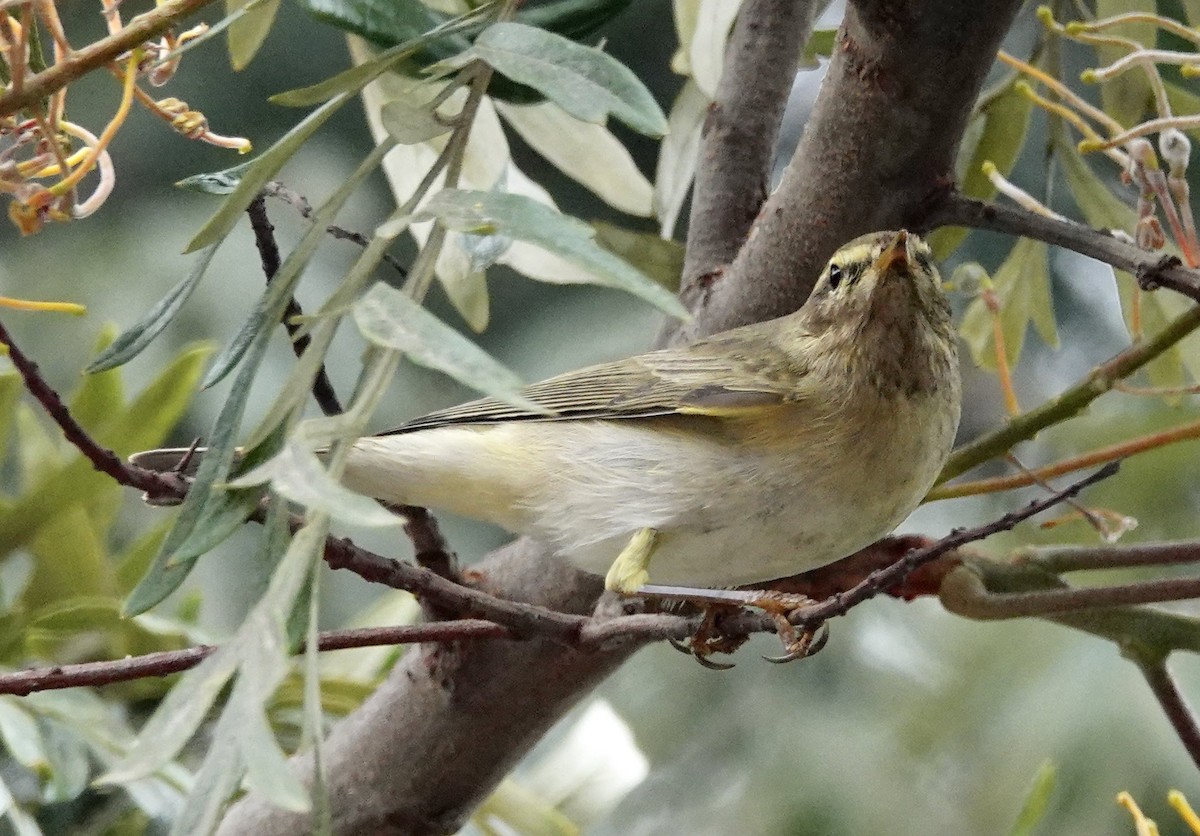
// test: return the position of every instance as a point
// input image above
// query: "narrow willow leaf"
(1033, 810)
(409, 122)
(296, 474)
(216, 182)
(22, 739)
(525, 219)
(131, 342)
(353, 80)
(461, 267)
(273, 303)
(298, 386)
(587, 153)
(382, 22)
(1021, 279)
(249, 31)
(167, 572)
(659, 258)
(175, 719)
(267, 770)
(705, 45)
(1005, 116)
(228, 508)
(677, 156)
(264, 168)
(390, 319)
(585, 82)
(216, 782)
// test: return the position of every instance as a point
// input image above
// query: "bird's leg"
(629, 571)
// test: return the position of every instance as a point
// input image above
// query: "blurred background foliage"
(912, 721)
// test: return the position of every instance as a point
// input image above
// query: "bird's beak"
(894, 255)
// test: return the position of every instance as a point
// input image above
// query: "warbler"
(750, 455)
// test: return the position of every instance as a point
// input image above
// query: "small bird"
(754, 454)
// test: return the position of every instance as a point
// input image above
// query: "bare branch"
(1151, 269)
(1174, 705)
(91, 674)
(103, 459)
(740, 132)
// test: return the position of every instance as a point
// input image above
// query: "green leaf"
(353, 80)
(1127, 96)
(389, 318)
(175, 719)
(1020, 283)
(131, 342)
(410, 122)
(267, 770)
(274, 300)
(249, 31)
(383, 22)
(22, 738)
(1005, 116)
(100, 396)
(166, 572)
(11, 388)
(216, 182)
(296, 474)
(1036, 801)
(584, 81)
(69, 561)
(659, 258)
(142, 424)
(264, 168)
(525, 219)
(820, 43)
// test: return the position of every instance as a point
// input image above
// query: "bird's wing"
(723, 376)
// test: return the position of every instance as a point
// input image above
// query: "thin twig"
(1059, 559)
(884, 579)
(1122, 450)
(103, 459)
(1071, 402)
(1173, 703)
(167, 662)
(300, 203)
(953, 209)
(268, 251)
(965, 593)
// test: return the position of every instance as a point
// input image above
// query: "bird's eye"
(835, 276)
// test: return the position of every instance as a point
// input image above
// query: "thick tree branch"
(739, 134)
(882, 138)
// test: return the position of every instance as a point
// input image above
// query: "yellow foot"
(628, 573)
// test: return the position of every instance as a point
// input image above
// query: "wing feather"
(726, 375)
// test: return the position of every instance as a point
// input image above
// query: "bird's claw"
(808, 643)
